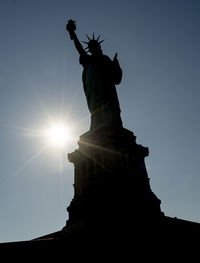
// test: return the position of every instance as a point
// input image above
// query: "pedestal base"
(111, 185)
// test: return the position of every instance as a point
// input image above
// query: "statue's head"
(94, 45)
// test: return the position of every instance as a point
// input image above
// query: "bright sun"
(58, 134)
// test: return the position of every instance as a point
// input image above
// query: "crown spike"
(93, 38)
(85, 42)
(88, 37)
(98, 37)
(101, 41)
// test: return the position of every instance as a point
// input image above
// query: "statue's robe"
(100, 75)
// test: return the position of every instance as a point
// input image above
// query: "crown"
(92, 41)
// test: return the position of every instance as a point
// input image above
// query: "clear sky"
(158, 44)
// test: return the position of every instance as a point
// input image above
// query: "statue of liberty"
(100, 75)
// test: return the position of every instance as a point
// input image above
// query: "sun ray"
(38, 132)
(105, 149)
(24, 130)
(43, 105)
(33, 157)
(81, 119)
(100, 147)
(94, 160)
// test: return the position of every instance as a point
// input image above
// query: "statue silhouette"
(100, 75)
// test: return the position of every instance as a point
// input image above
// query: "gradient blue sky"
(158, 44)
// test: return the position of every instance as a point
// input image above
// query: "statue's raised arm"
(71, 27)
(100, 75)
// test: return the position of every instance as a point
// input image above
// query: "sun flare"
(58, 134)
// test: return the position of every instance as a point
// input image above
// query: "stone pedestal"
(111, 185)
